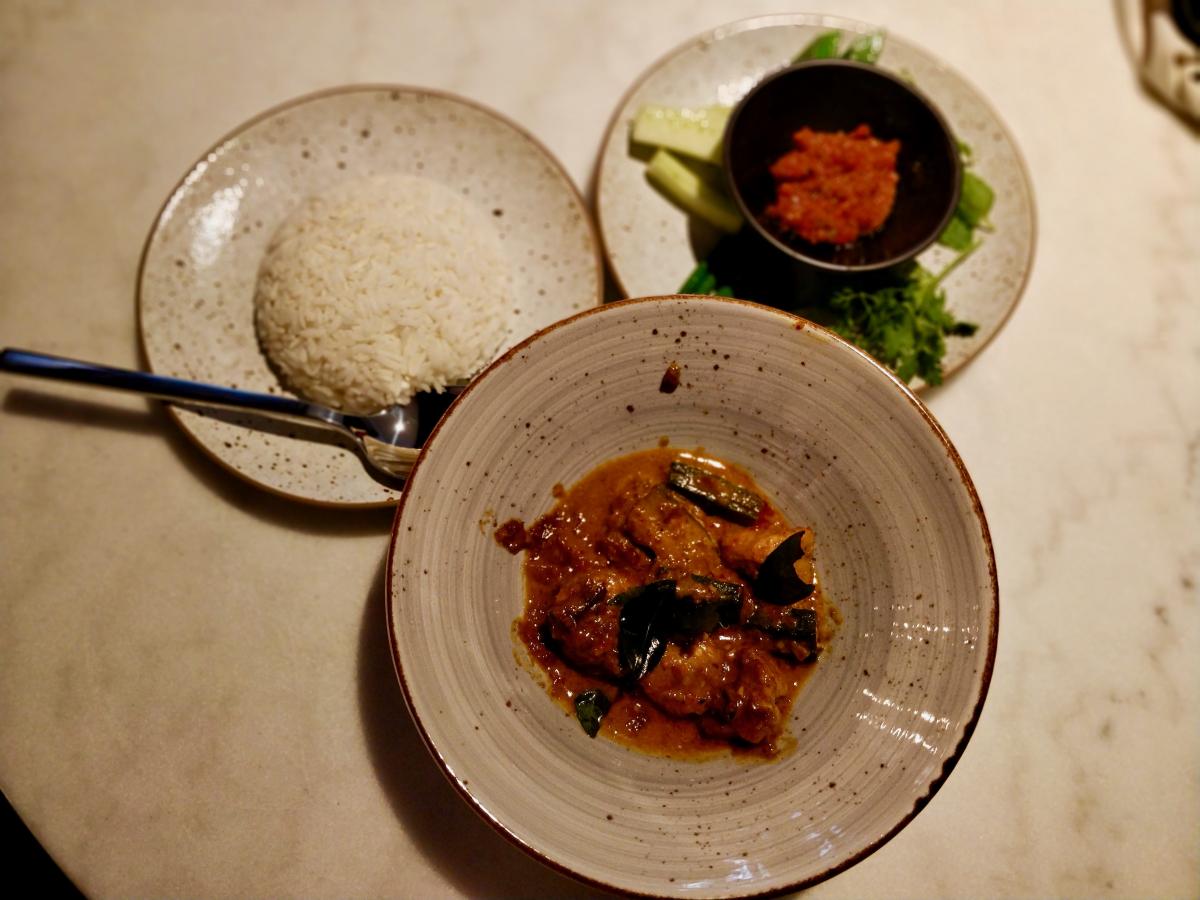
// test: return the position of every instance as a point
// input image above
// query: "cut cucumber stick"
(698, 133)
(687, 189)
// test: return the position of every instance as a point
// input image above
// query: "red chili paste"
(834, 187)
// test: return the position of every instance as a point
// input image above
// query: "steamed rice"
(379, 288)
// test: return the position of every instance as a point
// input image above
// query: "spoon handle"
(43, 365)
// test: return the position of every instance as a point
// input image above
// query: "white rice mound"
(379, 288)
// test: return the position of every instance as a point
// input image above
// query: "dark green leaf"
(644, 626)
(823, 46)
(653, 614)
(590, 708)
(777, 581)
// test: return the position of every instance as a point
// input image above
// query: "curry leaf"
(641, 637)
(778, 582)
(590, 708)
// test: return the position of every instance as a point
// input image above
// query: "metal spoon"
(381, 436)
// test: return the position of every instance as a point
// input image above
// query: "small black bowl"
(838, 95)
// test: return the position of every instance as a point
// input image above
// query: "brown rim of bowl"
(366, 87)
(985, 675)
(797, 254)
(818, 20)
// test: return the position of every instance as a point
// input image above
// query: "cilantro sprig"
(904, 325)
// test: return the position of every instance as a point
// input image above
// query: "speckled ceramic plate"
(196, 287)
(652, 246)
(902, 549)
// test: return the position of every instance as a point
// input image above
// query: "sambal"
(834, 187)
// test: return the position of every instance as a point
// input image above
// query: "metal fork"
(382, 437)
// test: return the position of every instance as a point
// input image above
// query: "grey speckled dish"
(196, 288)
(652, 246)
(902, 548)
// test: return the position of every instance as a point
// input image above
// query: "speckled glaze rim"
(301, 100)
(820, 20)
(948, 448)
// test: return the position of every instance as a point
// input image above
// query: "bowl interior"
(839, 96)
(902, 548)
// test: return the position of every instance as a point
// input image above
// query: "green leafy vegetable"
(590, 709)
(905, 325)
(865, 48)
(975, 201)
(693, 282)
(958, 235)
(824, 46)
(703, 281)
(902, 322)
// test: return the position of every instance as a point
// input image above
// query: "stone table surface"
(196, 693)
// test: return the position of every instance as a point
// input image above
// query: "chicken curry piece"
(671, 605)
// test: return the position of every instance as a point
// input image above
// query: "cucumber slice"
(689, 191)
(693, 132)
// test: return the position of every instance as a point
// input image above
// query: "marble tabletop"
(196, 693)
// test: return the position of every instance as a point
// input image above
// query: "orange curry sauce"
(620, 527)
(834, 187)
